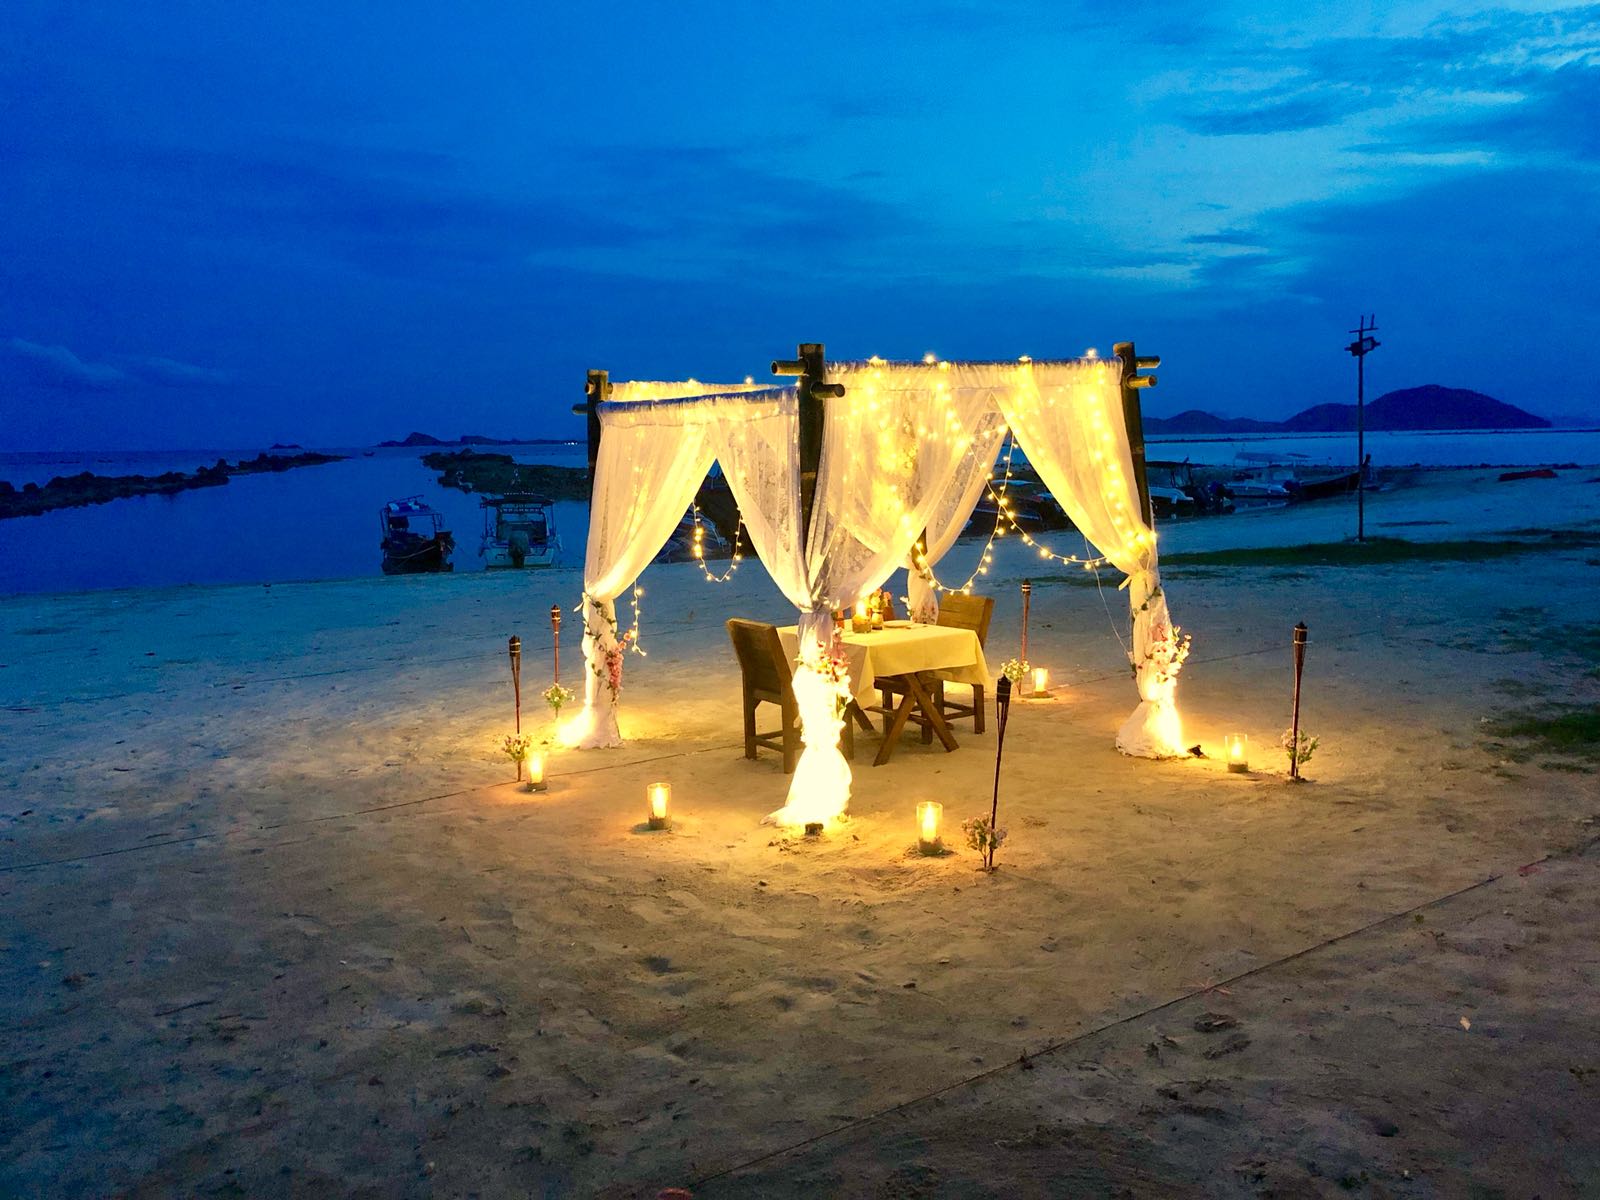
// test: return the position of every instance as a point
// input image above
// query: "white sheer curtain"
(954, 509)
(758, 445)
(652, 459)
(891, 451)
(1068, 420)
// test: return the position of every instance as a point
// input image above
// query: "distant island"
(1428, 407)
(84, 488)
(473, 439)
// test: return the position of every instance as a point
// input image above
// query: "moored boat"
(415, 540)
(519, 530)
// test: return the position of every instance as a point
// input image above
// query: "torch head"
(1002, 698)
(555, 616)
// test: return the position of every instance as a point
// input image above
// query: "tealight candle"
(1041, 681)
(930, 815)
(1238, 745)
(536, 767)
(660, 796)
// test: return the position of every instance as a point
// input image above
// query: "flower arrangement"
(608, 667)
(1164, 656)
(556, 697)
(833, 666)
(516, 746)
(1015, 669)
(984, 838)
(1299, 750)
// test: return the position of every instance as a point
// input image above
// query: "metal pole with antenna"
(1360, 348)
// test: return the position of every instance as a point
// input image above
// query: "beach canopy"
(907, 449)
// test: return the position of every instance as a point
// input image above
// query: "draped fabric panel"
(652, 459)
(891, 452)
(1068, 420)
(758, 446)
(953, 511)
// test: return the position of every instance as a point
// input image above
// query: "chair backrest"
(760, 654)
(957, 610)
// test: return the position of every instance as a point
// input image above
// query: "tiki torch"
(1002, 708)
(515, 649)
(555, 636)
(1294, 727)
(1027, 598)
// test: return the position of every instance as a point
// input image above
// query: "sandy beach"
(278, 922)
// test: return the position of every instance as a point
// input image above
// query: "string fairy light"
(632, 636)
(699, 548)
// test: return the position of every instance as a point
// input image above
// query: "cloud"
(704, 210)
(1245, 239)
(394, 213)
(58, 369)
(1555, 116)
(167, 372)
(1454, 65)
(1266, 114)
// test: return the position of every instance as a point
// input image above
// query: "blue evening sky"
(330, 223)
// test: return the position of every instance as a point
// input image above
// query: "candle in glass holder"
(1041, 681)
(1238, 745)
(536, 767)
(930, 815)
(862, 620)
(659, 796)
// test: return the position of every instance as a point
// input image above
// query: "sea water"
(317, 522)
(322, 522)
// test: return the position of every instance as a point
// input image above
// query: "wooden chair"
(957, 610)
(768, 676)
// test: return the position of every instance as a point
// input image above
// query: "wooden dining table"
(915, 657)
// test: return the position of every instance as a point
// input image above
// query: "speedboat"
(415, 540)
(519, 530)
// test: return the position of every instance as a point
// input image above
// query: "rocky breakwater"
(84, 488)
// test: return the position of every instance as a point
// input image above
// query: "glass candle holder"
(659, 796)
(930, 818)
(861, 619)
(1041, 681)
(1238, 747)
(535, 764)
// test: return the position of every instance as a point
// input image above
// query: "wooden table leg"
(860, 718)
(894, 726)
(936, 721)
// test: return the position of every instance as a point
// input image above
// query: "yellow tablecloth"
(900, 649)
